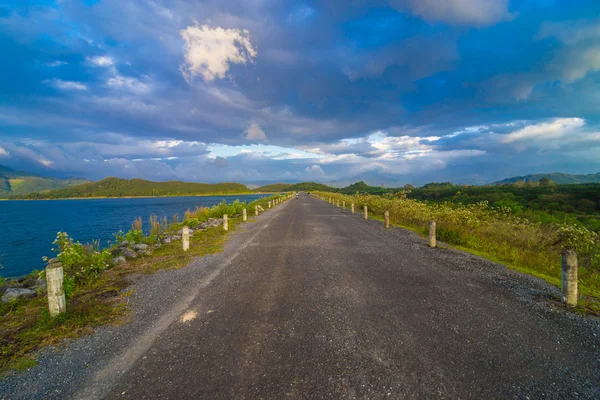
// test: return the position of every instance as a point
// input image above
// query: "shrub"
(80, 262)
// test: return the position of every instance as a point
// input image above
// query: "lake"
(28, 227)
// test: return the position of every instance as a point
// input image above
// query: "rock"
(157, 245)
(145, 252)
(53, 261)
(204, 225)
(119, 260)
(124, 243)
(116, 251)
(166, 240)
(41, 283)
(128, 253)
(175, 237)
(140, 247)
(29, 282)
(17, 293)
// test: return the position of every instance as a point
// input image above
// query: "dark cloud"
(384, 89)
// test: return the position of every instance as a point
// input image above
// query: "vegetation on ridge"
(14, 183)
(117, 187)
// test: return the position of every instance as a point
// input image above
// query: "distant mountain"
(296, 187)
(273, 188)
(14, 183)
(557, 177)
(117, 187)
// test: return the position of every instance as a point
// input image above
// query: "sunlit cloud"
(209, 52)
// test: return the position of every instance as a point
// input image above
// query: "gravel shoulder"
(310, 301)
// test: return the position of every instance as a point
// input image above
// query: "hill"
(15, 183)
(299, 187)
(116, 187)
(557, 177)
(273, 188)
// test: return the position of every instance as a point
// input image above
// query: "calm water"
(28, 228)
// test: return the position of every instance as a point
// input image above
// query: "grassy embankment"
(96, 290)
(496, 233)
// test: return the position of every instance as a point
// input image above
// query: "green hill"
(296, 187)
(116, 187)
(15, 183)
(557, 177)
(273, 188)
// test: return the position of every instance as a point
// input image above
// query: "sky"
(254, 91)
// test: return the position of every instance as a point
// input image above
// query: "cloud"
(545, 130)
(209, 52)
(254, 133)
(56, 63)
(3, 152)
(65, 85)
(314, 171)
(128, 83)
(101, 61)
(458, 12)
(220, 162)
(570, 32)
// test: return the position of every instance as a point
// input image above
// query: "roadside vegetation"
(533, 246)
(96, 279)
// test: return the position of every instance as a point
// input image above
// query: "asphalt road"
(311, 302)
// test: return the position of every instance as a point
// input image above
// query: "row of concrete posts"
(569, 257)
(57, 303)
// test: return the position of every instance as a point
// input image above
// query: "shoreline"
(145, 197)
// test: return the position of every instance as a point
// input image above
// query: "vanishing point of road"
(311, 302)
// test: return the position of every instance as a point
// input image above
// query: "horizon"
(394, 92)
(335, 184)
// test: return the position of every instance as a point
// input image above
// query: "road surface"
(311, 302)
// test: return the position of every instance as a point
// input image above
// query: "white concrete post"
(432, 239)
(256, 210)
(57, 303)
(269, 204)
(343, 204)
(352, 208)
(338, 204)
(569, 278)
(225, 222)
(244, 215)
(387, 218)
(366, 213)
(185, 238)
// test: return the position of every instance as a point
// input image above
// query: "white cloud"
(558, 128)
(101, 61)
(65, 85)
(570, 32)
(128, 83)
(254, 132)
(56, 63)
(578, 63)
(210, 51)
(3, 152)
(459, 12)
(314, 170)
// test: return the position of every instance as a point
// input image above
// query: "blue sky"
(392, 92)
